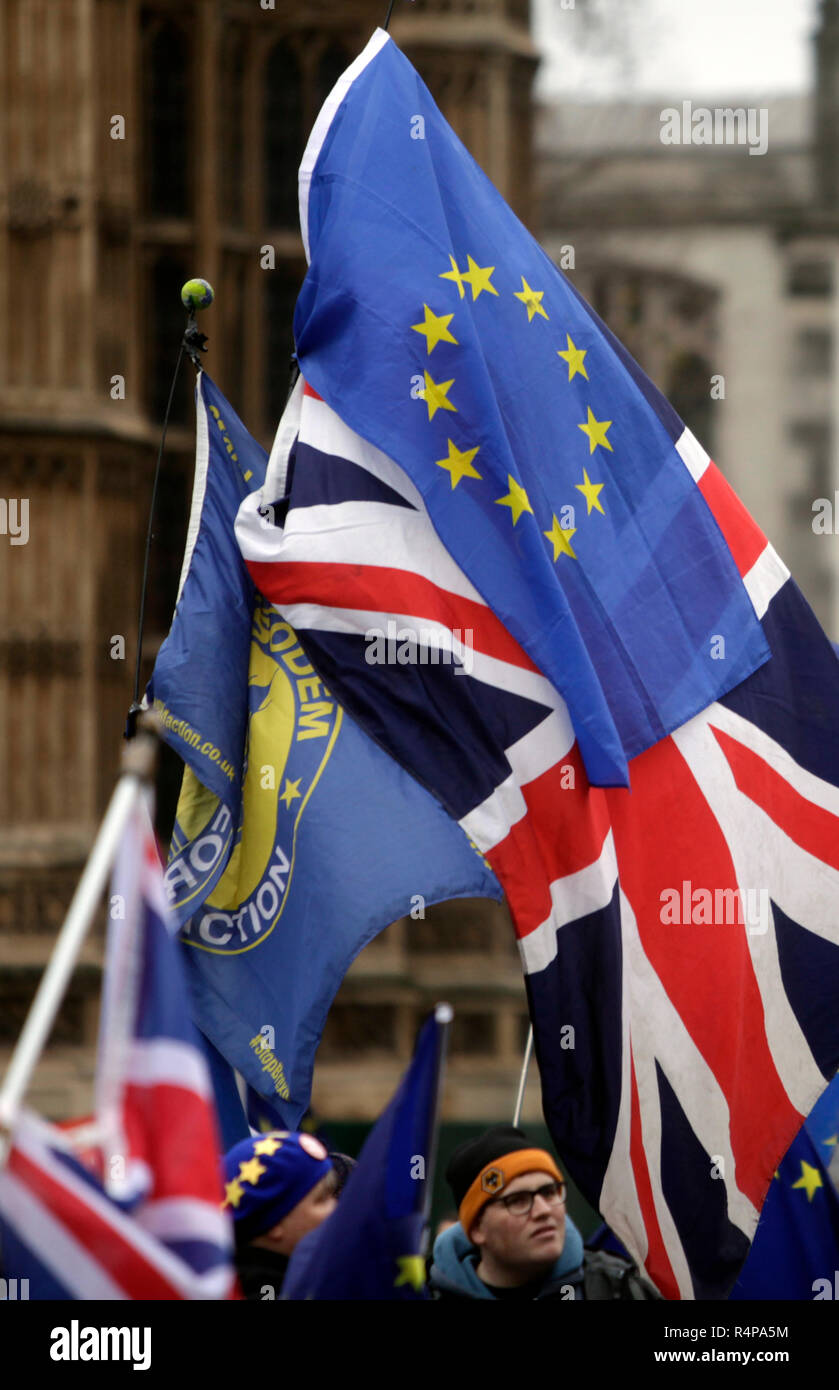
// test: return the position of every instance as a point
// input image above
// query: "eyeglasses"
(521, 1203)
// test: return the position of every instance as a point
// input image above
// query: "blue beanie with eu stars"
(267, 1175)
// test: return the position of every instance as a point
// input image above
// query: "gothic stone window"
(300, 72)
(166, 79)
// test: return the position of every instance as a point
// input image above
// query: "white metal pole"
(528, 1052)
(56, 977)
(444, 1014)
(138, 762)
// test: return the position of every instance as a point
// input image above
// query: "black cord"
(131, 722)
(389, 12)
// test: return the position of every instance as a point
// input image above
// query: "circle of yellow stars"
(459, 463)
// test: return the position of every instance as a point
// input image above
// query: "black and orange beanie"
(480, 1169)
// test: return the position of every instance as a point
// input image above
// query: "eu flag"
(557, 477)
(371, 1247)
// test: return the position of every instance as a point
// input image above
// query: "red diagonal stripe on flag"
(811, 827)
(743, 536)
(666, 836)
(563, 832)
(158, 1112)
(658, 1262)
(375, 588)
(125, 1264)
(517, 864)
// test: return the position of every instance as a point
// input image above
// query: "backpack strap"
(607, 1276)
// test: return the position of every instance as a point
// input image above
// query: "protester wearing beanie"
(278, 1187)
(500, 1250)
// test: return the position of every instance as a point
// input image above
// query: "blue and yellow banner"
(296, 839)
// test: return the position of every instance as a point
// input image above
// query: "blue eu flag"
(371, 1247)
(556, 475)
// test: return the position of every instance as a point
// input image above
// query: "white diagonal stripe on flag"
(746, 829)
(692, 454)
(185, 1218)
(165, 1061)
(767, 575)
(53, 1244)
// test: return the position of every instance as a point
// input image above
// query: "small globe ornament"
(197, 294)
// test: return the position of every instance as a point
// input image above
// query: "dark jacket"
(577, 1275)
(261, 1272)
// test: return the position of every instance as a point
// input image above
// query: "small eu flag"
(371, 1247)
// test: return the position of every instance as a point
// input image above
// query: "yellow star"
(834, 1139)
(459, 464)
(268, 1146)
(434, 395)
(810, 1179)
(435, 329)
(591, 492)
(533, 300)
(478, 278)
(411, 1271)
(251, 1171)
(561, 540)
(574, 357)
(290, 792)
(233, 1193)
(456, 275)
(596, 431)
(516, 499)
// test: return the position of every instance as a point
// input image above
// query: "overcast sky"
(701, 47)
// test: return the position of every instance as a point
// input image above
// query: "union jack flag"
(147, 1224)
(680, 939)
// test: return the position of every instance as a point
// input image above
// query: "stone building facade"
(718, 265)
(143, 142)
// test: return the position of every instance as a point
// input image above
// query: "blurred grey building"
(719, 269)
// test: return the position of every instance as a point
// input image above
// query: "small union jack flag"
(147, 1223)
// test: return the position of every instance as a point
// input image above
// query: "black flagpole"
(390, 12)
(196, 294)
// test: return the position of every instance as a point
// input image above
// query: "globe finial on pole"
(196, 294)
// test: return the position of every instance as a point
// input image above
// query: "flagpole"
(138, 761)
(196, 294)
(389, 13)
(444, 1015)
(528, 1053)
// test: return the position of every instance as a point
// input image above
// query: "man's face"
(522, 1246)
(305, 1217)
